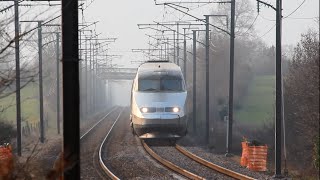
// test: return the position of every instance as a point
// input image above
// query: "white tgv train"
(158, 101)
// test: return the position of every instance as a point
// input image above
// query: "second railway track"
(172, 159)
(89, 144)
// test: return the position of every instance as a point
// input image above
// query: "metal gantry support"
(177, 43)
(207, 80)
(94, 84)
(231, 79)
(279, 95)
(42, 135)
(194, 92)
(184, 56)
(17, 54)
(58, 80)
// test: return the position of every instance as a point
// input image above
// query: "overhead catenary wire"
(268, 31)
(251, 26)
(294, 10)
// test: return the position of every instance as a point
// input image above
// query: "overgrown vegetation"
(301, 95)
(7, 132)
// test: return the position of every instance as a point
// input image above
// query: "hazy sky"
(120, 18)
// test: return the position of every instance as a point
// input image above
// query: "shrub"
(7, 132)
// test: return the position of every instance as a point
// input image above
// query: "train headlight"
(175, 109)
(172, 109)
(144, 109)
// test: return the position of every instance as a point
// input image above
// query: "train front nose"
(154, 125)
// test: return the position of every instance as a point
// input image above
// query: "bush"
(301, 103)
(7, 132)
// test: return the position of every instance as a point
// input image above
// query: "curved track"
(90, 142)
(102, 165)
(191, 175)
(212, 165)
(123, 157)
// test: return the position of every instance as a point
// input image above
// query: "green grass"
(257, 106)
(29, 105)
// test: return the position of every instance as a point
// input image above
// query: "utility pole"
(86, 77)
(279, 103)
(17, 54)
(58, 80)
(70, 68)
(178, 43)
(207, 79)
(40, 82)
(184, 56)
(174, 50)
(194, 106)
(278, 91)
(231, 76)
(167, 49)
(90, 73)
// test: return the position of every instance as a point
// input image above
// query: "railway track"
(188, 174)
(121, 155)
(101, 162)
(111, 172)
(90, 142)
(98, 122)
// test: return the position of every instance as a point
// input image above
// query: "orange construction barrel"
(245, 153)
(6, 160)
(257, 158)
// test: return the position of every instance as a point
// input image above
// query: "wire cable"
(268, 31)
(255, 19)
(7, 8)
(295, 9)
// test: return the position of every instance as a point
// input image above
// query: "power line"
(268, 31)
(295, 9)
(7, 8)
(266, 18)
(252, 24)
(301, 17)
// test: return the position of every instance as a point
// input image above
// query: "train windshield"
(160, 83)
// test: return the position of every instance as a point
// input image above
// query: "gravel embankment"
(220, 159)
(126, 158)
(171, 154)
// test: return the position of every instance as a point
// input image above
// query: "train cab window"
(171, 84)
(160, 83)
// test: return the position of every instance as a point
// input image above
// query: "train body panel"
(158, 101)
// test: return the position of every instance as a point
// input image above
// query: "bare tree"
(302, 100)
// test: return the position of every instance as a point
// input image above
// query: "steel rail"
(97, 123)
(169, 164)
(213, 166)
(102, 165)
